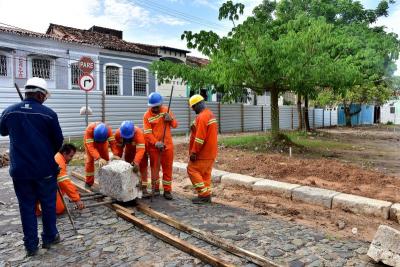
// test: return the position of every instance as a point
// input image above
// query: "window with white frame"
(140, 82)
(112, 80)
(75, 74)
(3, 66)
(42, 68)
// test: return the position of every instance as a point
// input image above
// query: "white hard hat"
(37, 84)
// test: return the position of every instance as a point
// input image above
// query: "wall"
(386, 116)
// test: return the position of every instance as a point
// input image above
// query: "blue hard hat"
(155, 99)
(100, 133)
(127, 129)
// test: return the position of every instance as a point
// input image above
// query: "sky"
(157, 22)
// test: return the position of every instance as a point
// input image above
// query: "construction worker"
(154, 121)
(130, 140)
(203, 149)
(35, 137)
(98, 137)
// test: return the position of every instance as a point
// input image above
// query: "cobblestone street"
(106, 240)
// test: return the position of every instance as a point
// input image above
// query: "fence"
(115, 109)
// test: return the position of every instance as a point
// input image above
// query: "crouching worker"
(98, 137)
(63, 157)
(202, 149)
(130, 142)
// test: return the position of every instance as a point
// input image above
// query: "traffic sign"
(86, 65)
(86, 82)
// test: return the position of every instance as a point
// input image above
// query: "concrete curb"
(362, 205)
(275, 187)
(312, 195)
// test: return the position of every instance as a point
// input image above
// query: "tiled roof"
(197, 61)
(106, 41)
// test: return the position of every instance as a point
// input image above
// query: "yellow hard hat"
(195, 99)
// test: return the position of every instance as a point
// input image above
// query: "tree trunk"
(347, 115)
(306, 118)
(299, 112)
(274, 114)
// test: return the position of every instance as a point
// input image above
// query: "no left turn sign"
(86, 82)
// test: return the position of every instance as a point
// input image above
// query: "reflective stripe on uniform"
(151, 119)
(62, 178)
(141, 146)
(167, 182)
(198, 185)
(205, 189)
(89, 173)
(198, 140)
(87, 141)
(111, 138)
(212, 121)
(148, 131)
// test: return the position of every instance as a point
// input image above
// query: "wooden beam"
(175, 241)
(207, 237)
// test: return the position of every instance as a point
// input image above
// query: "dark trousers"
(29, 192)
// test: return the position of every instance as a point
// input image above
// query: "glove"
(193, 157)
(101, 162)
(159, 145)
(135, 167)
(79, 205)
(168, 117)
(115, 157)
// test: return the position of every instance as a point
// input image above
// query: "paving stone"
(314, 195)
(108, 221)
(239, 180)
(289, 247)
(85, 231)
(395, 212)
(298, 242)
(296, 263)
(362, 205)
(275, 252)
(275, 187)
(385, 246)
(110, 249)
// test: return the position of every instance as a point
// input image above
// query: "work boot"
(156, 193)
(145, 193)
(57, 239)
(31, 253)
(168, 195)
(201, 200)
(88, 186)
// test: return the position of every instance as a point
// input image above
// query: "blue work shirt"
(35, 137)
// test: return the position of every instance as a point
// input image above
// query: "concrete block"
(217, 175)
(275, 187)
(179, 167)
(239, 179)
(362, 205)
(118, 181)
(385, 246)
(395, 212)
(314, 195)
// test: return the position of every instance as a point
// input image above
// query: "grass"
(300, 140)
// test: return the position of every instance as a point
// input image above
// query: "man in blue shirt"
(35, 137)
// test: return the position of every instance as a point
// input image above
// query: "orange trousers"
(199, 172)
(59, 206)
(166, 164)
(89, 163)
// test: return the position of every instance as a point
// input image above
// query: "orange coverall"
(153, 125)
(204, 143)
(65, 184)
(134, 151)
(95, 151)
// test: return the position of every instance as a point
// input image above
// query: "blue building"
(365, 116)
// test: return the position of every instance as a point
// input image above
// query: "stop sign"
(86, 65)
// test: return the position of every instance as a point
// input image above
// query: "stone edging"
(312, 195)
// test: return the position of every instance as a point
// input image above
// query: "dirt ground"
(371, 169)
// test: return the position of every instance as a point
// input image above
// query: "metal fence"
(115, 109)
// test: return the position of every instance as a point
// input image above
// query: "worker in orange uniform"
(154, 121)
(203, 149)
(130, 140)
(63, 157)
(98, 137)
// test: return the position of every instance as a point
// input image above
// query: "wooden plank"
(207, 237)
(175, 241)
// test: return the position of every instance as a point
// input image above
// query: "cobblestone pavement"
(106, 240)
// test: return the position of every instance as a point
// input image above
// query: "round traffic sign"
(86, 64)
(86, 82)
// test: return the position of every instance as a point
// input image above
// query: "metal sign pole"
(86, 113)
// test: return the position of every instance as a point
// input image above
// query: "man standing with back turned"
(35, 137)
